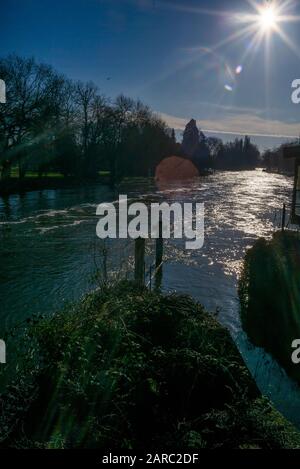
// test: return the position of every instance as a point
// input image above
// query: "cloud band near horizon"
(240, 124)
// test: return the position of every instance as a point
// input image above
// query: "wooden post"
(159, 256)
(139, 261)
(283, 218)
(150, 277)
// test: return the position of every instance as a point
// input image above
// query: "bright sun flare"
(268, 18)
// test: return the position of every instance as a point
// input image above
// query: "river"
(49, 253)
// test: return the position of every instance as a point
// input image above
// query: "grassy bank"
(129, 369)
(270, 297)
(33, 182)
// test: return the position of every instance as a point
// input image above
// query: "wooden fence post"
(159, 256)
(139, 261)
(283, 218)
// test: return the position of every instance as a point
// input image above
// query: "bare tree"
(85, 98)
(32, 100)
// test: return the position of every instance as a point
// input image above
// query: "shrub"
(270, 297)
(131, 369)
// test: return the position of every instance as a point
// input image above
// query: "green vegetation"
(50, 180)
(270, 297)
(15, 173)
(126, 368)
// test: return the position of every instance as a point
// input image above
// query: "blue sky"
(164, 52)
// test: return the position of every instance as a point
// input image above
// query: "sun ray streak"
(287, 41)
(241, 34)
(254, 44)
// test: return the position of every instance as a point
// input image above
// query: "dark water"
(49, 252)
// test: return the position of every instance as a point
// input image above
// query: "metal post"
(139, 264)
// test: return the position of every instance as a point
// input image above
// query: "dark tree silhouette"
(195, 147)
(274, 161)
(190, 141)
(51, 123)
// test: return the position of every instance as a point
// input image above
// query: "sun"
(268, 18)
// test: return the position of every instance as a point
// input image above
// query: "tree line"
(51, 123)
(274, 161)
(211, 152)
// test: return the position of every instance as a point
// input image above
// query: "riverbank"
(19, 186)
(270, 292)
(278, 171)
(126, 368)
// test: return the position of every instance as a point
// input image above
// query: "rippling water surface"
(48, 247)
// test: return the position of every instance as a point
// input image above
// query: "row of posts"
(139, 260)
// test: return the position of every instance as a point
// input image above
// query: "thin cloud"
(185, 8)
(240, 124)
(182, 6)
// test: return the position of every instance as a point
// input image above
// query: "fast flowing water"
(48, 244)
